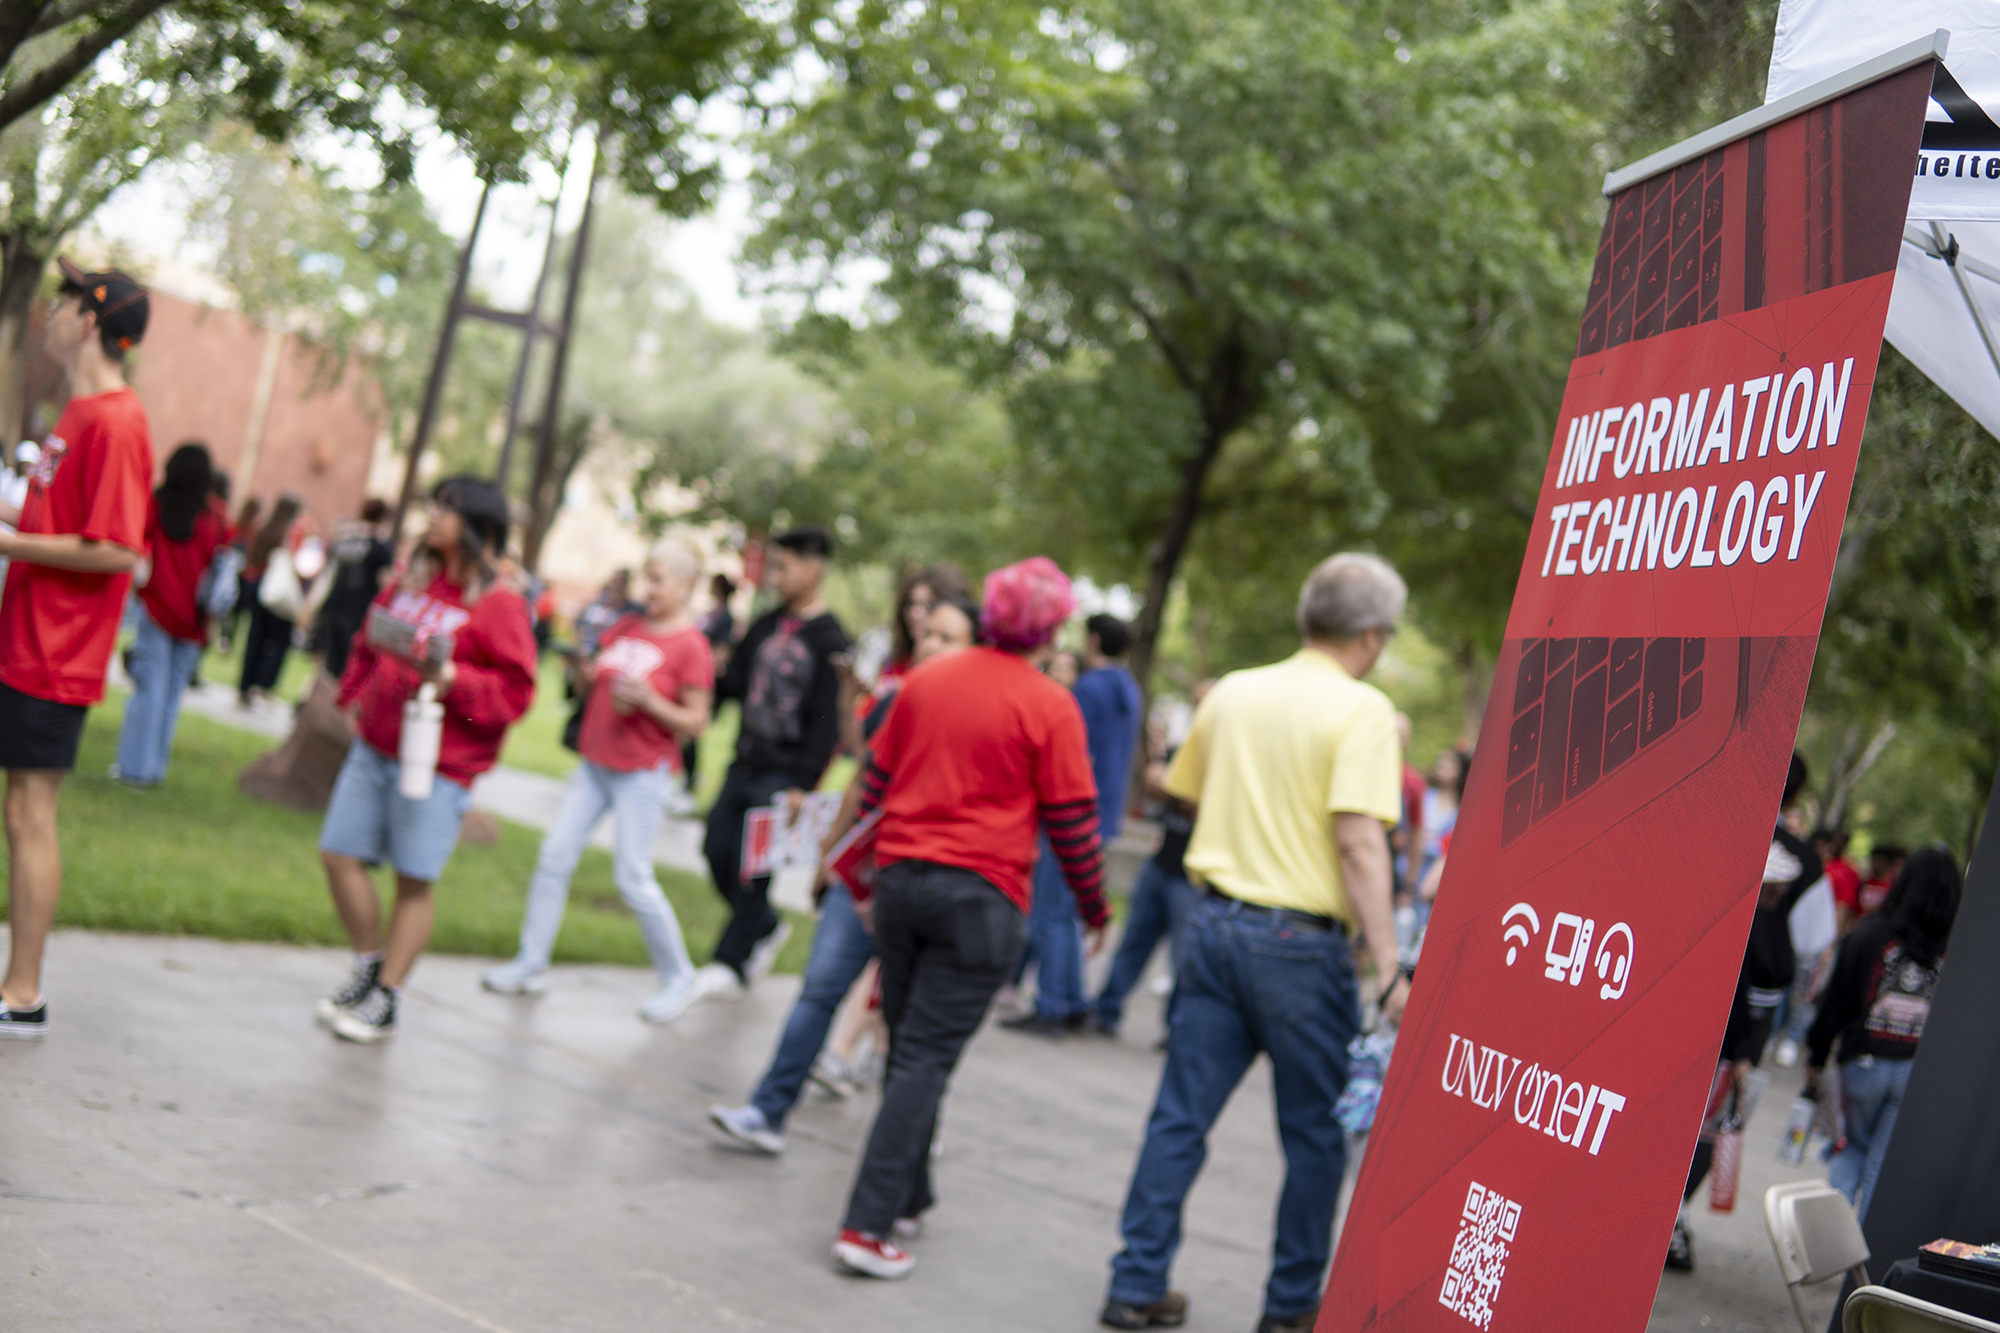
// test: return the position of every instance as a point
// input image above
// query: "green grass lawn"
(197, 857)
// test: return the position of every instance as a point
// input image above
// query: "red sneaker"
(859, 1253)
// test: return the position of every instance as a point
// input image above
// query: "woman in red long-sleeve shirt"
(485, 685)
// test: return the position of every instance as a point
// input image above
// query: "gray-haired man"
(1296, 773)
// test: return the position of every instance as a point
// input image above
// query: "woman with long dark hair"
(1876, 1005)
(455, 624)
(183, 532)
(270, 635)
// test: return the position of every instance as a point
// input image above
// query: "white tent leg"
(1947, 250)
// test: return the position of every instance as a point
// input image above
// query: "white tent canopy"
(1945, 313)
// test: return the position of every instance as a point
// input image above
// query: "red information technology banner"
(1549, 1080)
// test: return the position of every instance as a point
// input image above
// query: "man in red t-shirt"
(980, 754)
(80, 532)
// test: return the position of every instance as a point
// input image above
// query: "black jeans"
(947, 940)
(750, 914)
(264, 650)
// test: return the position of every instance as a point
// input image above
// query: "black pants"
(750, 914)
(338, 633)
(264, 649)
(947, 940)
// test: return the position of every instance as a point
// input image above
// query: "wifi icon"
(1517, 935)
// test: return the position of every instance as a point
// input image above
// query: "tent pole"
(1947, 250)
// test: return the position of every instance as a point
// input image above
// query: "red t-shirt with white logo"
(177, 570)
(493, 655)
(94, 480)
(670, 663)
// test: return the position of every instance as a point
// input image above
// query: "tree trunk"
(1164, 559)
(20, 279)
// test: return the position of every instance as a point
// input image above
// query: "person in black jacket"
(783, 675)
(1876, 1004)
(1791, 866)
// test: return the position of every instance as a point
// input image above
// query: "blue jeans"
(1055, 937)
(841, 949)
(1158, 909)
(161, 666)
(1871, 1093)
(1248, 983)
(637, 802)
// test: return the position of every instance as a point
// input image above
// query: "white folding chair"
(1880, 1310)
(1817, 1237)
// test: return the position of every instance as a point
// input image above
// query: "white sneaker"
(1788, 1053)
(766, 953)
(746, 1125)
(832, 1073)
(518, 977)
(672, 1000)
(717, 981)
(907, 1228)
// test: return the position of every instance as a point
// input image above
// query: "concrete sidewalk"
(188, 1152)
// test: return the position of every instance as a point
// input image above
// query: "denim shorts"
(370, 821)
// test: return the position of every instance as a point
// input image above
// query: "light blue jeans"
(161, 665)
(1871, 1093)
(637, 802)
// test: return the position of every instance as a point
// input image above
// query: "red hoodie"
(493, 651)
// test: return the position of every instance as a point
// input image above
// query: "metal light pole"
(440, 363)
(540, 507)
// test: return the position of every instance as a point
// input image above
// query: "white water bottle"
(423, 733)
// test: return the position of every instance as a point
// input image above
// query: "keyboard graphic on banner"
(1582, 707)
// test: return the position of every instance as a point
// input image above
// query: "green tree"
(510, 81)
(1179, 230)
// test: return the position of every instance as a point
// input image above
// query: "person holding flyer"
(784, 677)
(78, 537)
(450, 635)
(842, 944)
(648, 691)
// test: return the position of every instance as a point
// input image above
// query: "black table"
(1963, 1294)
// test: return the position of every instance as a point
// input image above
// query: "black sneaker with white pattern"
(372, 1020)
(352, 991)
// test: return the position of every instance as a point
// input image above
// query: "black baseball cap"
(119, 303)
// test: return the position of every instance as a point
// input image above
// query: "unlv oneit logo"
(1968, 145)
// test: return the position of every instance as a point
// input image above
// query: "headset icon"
(1616, 966)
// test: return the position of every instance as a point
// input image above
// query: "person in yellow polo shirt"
(1295, 770)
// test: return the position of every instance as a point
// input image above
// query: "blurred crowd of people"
(1299, 850)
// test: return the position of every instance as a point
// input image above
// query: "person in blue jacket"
(1113, 715)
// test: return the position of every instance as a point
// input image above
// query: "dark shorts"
(38, 733)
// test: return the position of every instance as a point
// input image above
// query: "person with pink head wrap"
(980, 755)
(1026, 603)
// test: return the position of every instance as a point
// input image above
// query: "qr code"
(1479, 1255)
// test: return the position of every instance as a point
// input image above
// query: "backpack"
(219, 588)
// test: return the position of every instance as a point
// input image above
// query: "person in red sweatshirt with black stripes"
(451, 591)
(981, 752)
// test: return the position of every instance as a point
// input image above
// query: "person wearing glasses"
(452, 593)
